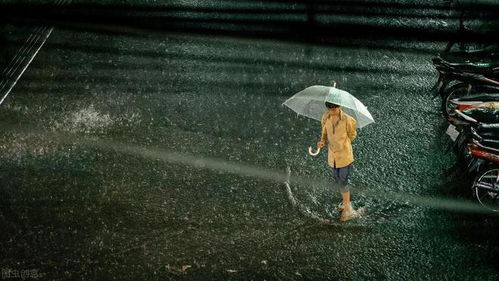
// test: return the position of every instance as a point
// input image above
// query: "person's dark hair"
(331, 105)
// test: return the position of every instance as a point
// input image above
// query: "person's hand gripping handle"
(320, 144)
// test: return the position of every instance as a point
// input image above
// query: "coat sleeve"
(323, 128)
(352, 129)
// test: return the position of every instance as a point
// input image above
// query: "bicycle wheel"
(456, 91)
(486, 188)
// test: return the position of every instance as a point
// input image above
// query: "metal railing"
(24, 56)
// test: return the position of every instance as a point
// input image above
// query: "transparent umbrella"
(311, 103)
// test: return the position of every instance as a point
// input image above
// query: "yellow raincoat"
(339, 137)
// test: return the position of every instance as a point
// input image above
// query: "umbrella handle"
(313, 153)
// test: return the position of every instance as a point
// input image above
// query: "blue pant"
(340, 176)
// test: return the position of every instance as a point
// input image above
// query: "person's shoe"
(352, 214)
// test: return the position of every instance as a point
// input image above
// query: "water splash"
(302, 208)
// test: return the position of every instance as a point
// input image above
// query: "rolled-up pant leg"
(340, 176)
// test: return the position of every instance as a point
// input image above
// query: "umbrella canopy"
(311, 103)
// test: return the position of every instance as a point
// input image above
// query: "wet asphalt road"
(117, 150)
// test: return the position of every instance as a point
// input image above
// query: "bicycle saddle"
(488, 131)
(479, 97)
(483, 115)
(481, 66)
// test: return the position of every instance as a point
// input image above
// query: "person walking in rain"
(343, 114)
(340, 129)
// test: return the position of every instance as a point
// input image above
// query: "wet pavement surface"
(163, 156)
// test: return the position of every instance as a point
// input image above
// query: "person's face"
(334, 110)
